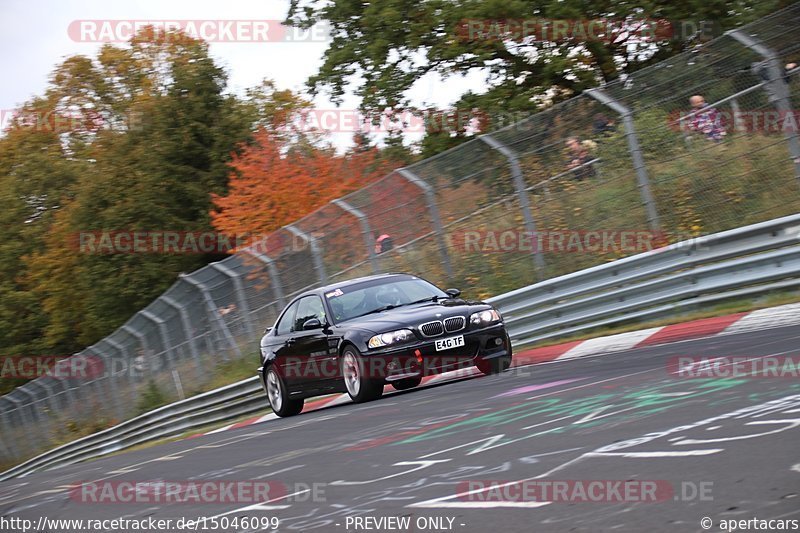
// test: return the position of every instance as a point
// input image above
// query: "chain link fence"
(625, 157)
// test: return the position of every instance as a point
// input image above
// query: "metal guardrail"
(739, 262)
(745, 261)
(219, 405)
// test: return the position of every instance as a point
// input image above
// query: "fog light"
(498, 341)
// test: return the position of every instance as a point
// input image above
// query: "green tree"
(168, 131)
(381, 48)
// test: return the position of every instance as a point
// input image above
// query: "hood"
(414, 315)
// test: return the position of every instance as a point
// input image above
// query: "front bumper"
(421, 358)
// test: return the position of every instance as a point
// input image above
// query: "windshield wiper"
(428, 299)
(378, 310)
(389, 307)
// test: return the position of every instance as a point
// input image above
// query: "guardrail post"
(777, 88)
(366, 231)
(316, 253)
(274, 277)
(213, 313)
(433, 211)
(163, 333)
(522, 195)
(636, 155)
(187, 332)
(244, 309)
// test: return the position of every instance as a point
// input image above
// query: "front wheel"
(493, 366)
(406, 383)
(278, 397)
(360, 386)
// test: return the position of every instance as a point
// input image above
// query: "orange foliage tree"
(270, 187)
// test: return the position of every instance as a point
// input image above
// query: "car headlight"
(482, 318)
(392, 337)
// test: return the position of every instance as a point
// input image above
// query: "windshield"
(373, 296)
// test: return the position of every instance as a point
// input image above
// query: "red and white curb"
(784, 315)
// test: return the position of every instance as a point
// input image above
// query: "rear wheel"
(278, 397)
(360, 386)
(406, 383)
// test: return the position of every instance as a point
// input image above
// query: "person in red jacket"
(383, 242)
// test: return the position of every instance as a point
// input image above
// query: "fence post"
(273, 274)
(636, 155)
(108, 386)
(366, 231)
(45, 420)
(145, 346)
(163, 333)
(522, 196)
(48, 391)
(24, 423)
(12, 445)
(64, 377)
(187, 332)
(33, 421)
(316, 253)
(126, 369)
(433, 211)
(213, 314)
(241, 299)
(777, 88)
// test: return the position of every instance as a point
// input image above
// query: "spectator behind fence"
(706, 119)
(383, 243)
(578, 155)
(602, 125)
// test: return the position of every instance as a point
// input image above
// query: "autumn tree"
(272, 185)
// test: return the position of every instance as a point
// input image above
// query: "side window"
(310, 307)
(285, 324)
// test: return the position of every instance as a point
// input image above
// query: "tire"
(494, 366)
(278, 396)
(407, 383)
(359, 386)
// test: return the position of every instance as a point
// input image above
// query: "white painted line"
(646, 455)
(264, 506)
(476, 505)
(445, 501)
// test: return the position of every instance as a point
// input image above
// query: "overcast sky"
(35, 38)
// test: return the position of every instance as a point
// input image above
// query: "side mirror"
(453, 293)
(267, 330)
(312, 323)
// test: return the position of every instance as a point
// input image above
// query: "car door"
(280, 345)
(309, 347)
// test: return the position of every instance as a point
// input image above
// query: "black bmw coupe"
(358, 335)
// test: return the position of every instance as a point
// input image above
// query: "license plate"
(450, 342)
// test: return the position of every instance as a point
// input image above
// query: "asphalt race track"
(727, 449)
